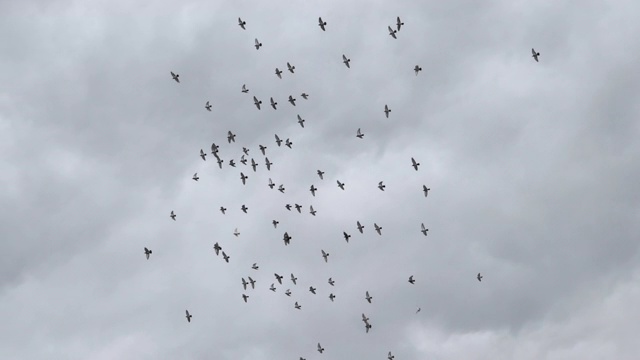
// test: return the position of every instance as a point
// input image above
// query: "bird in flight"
(278, 278)
(217, 248)
(244, 208)
(417, 69)
(301, 121)
(189, 316)
(346, 236)
(535, 54)
(479, 277)
(257, 102)
(253, 164)
(223, 209)
(147, 252)
(287, 239)
(195, 177)
(340, 185)
(411, 280)
(425, 189)
(291, 68)
(320, 173)
(245, 297)
(279, 73)
(243, 160)
(244, 178)
(417, 311)
(255, 266)
(236, 232)
(386, 111)
(311, 211)
(378, 228)
(242, 23)
(258, 44)
(278, 141)
(346, 61)
(424, 229)
(392, 32)
(325, 255)
(226, 257)
(288, 143)
(275, 223)
(298, 207)
(368, 297)
(231, 137)
(262, 149)
(203, 155)
(305, 96)
(381, 186)
(313, 190)
(415, 164)
(331, 296)
(273, 104)
(292, 100)
(175, 77)
(244, 283)
(297, 306)
(288, 206)
(244, 88)
(320, 348)
(173, 215)
(253, 282)
(399, 23)
(294, 279)
(219, 162)
(207, 106)
(312, 289)
(360, 227)
(281, 188)
(288, 292)
(271, 184)
(232, 163)
(272, 288)
(331, 282)
(390, 357)
(214, 149)
(322, 24)
(359, 134)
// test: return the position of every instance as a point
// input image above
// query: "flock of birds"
(286, 237)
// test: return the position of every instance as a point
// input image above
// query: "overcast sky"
(533, 170)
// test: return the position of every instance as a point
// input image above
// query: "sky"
(533, 170)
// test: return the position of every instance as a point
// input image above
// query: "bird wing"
(344, 57)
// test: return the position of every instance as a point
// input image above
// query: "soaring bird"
(244, 208)
(214, 149)
(312, 290)
(294, 279)
(325, 255)
(275, 223)
(253, 164)
(535, 54)
(173, 215)
(311, 211)
(305, 96)
(232, 163)
(245, 151)
(207, 106)
(267, 163)
(415, 164)
(360, 227)
(291, 68)
(479, 277)
(411, 280)
(288, 143)
(392, 32)
(331, 282)
(287, 239)
(223, 209)
(243, 160)
(417, 69)
(346, 236)
(203, 155)
(257, 102)
(217, 248)
(390, 357)
(244, 283)
(262, 149)
(195, 177)
(278, 278)
(340, 185)
(255, 266)
(147, 252)
(288, 206)
(331, 296)
(368, 297)
(378, 228)
(288, 292)
(244, 178)
(301, 121)
(346, 61)
(231, 137)
(320, 173)
(381, 186)
(273, 104)
(313, 190)
(359, 134)
(226, 257)
(399, 23)
(281, 188)
(297, 306)
(320, 348)
(189, 316)
(244, 88)
(253, 282)
(386, 111)
(272, 288)
(424, 229)
(322, 24)
(242, 23)
(425, 189)
(219, 162)
(271, 184)
(245, 297)
(292, 100)
(298, 207)
(175, 77)
(278, 141)
(258, 44)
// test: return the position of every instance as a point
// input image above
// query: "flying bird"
(208, 106)
(255, 266)
(325, 255)
(365, 319)
(217, 248)
(301, 121)
(320, 173)
(288, 143)
(223, 209)
(281, 188)
(236, 232)
(287, 239)
(243, 160)
(320, 348)
(253, 164)
(378, 228)
(368, 297)
(331, 282)
(411, 280)
(257, 102)
(479, 277)
(346, 61)
(175, 77)
(390, 357)
(424, 229)
(245, 297)
(244, 178)
(279, 73)
(288, 206)
(173, 215)
(292, 100)
(392, 32)
(244, 88)
(294, 279)
(195, 177)
(288, 292)
(415, 164)
(417, 311)
(232, 163)
(381, 186)
(231, 137)
(244, 283)
(242, 23)
(298, 207)
(399, 23)
(275, 223)
(359, 134)
(346, 236)
(245, 151)
(340, 185)
(273, 104)
(331, 296)
(271, 184)
(312, 289)
(311, 211)
(219, 162)
(189, 316)
(386, 111)
(214, 149)
(417, 69)
(258, 44)
(279, 278)
(147, 252)
(535, 54)
(322, 24)
(291, 67)
(360, 227)
(253, 282)
(272, 288)
(262, 149)
(305, 96)
(203, 155)
(297, 306)
(278, 141)
(226, 257)
(425, 189)
(244, 208)
(313, 190)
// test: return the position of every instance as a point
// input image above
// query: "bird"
(236, 233)
(535, 54)
(298, 207)
(244, 208)
(147, 252)
(279, 278)
(313, 190)
(301, 121)
(281, 188)
(399, 23)
(244, 283)
(223, 209)
(390, 357)
(320, 173)
(288, 206)
(360, 227)
(257, 102)
(287, 239)
(359, 134)
(232, 163)
(214, 148)
(294, 279)
(271, 184)
(331, 296)
(367, 326)
(331, 282)
(273, 104)
(411, 280)
(292, 100)
(219, 162)
(245, 297)
(392, 32)
(386, 111)
(365, 319)
(203, 155)
(208, 106)
(346, 61)
(173, 215)
(244, 88)
(242, 23)
(424, 229)
(305, 96)
(479, 277)
(195, 177)
(245, 151)
(226, 257)
(243, 160)
(258, 44)
(253, 282)
(325, 255)
(425, 189)
(231, 137)
(244, 178)
(346, 236)
(368, 297)
(175, 77)
(288, 292)
(417, 69)
(278, 141)
(415, 164)
(297, 306)
(320, 348)
(217, 248)
(189, 316)
(312, 289)
(340, 185)
(311, 211)
(291, 67)
(255, 266)
(262, 149)
(288, 143)
(322, 24)
(279, 73)
(275, 223)
(272, 288)
(381, 186)
(417, 311)
(378, 228)
(253, 164)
